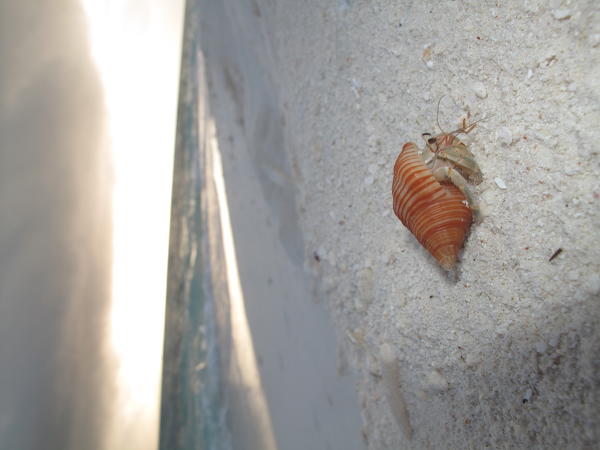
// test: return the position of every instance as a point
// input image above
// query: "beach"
(360, 339)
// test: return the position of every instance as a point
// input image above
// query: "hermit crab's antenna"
(465, 129)
(433, 142)
(437, 114)
(430, 140)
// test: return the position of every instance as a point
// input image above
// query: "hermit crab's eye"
(431, 140)
(425, 135)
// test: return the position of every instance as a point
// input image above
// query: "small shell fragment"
(435, 382)
(541, 347)
(527, 395)
(500, 183)
(561, 14)
(504, 136)
(479, 89)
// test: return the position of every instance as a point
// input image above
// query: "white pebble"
(573, 275)
(560, 14)
(331, 257)
(529, 74)
(592, 284)
(541, 347)
(570, 171)
(479, 89)
(472, 359)
(435, 382)
(422, 395)
(343, 5)
(504, 135)
(322, 253)
(429, 64)
(527, 395)
(500, 183)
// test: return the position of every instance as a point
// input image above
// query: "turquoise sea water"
(192, 410)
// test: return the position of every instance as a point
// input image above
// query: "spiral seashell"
(436, 213)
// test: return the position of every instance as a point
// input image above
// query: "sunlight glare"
(137, 47)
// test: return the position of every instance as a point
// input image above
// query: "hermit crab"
(430, 192)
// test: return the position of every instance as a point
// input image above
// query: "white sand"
(312, 103)
(292, 343)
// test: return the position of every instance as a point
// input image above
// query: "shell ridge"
(434, 212)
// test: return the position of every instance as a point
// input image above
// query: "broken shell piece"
(500, 183)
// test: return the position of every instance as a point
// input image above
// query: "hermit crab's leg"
(448, 174)
(466, 129)
(462, 159)
(428, 155)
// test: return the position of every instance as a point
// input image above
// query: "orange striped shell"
(437, 214)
